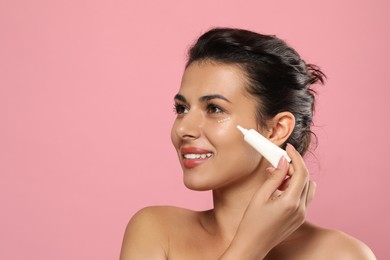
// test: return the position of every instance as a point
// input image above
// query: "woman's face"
(211, 102)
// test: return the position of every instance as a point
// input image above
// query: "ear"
(280, 127)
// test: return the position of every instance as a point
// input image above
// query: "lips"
(194, 156)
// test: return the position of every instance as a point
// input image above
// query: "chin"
(196, 185)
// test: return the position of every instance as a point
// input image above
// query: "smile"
(197, 156)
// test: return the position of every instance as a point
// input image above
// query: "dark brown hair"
(278, 78)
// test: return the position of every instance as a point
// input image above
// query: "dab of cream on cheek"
(223, 120)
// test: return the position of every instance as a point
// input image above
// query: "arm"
(144, 237)
(270, 219)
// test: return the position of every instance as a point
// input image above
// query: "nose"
(189, 126)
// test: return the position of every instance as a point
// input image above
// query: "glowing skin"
(214, 155)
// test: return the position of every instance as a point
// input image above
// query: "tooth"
(198, 156)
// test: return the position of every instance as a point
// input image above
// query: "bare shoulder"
(162, 217)
(158, 220)
(147, 233)
(338, 245)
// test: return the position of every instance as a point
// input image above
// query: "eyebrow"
(203, 98)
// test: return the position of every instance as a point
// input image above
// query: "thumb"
(275, 179)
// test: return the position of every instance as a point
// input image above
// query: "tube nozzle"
(243, 130)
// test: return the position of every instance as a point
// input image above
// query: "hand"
(274, 214)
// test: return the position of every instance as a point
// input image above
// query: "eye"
(180, 109)
(214, 109)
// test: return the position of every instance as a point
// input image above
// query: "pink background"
(86, 92)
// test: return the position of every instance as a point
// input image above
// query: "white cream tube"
(265, 147)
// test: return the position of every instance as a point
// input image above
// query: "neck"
(231, 202)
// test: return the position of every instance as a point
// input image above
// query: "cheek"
(230, 144)
(226, 138)
(220, 130)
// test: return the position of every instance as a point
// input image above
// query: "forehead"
(207, 77)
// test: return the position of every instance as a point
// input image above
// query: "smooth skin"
(259, 211)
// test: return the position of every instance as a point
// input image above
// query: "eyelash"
(179, 108)
(210, 108)
(214, 107)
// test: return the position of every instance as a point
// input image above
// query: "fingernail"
(282, 163)
(291, 146)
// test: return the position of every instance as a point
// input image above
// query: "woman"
(237, 77)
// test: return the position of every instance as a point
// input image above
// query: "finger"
(291, 170)
(270, 170)
(300, 176)
(275, 178)
(311, 192)
(285, 183)
(297, 162)
(304, 193)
